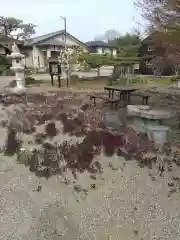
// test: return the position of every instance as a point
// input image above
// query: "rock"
(93, 176)
(78, 188)
(93, 186)
(51, 130)
(172, 190)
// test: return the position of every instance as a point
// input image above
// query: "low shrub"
(112, 82)
(74, 77)
(175, 78)
(5, 65)
(30, 80)
(28, 71)
(138, 80)
(2, 68)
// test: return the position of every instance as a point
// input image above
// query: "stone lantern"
(18, 69)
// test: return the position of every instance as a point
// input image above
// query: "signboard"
(54, 68)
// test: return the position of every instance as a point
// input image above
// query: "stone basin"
(155, 114)
(171, 90)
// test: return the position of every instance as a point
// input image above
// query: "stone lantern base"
(16, 90)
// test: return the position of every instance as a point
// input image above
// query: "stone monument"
(18, 68)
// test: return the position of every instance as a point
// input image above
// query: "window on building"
(63, 37)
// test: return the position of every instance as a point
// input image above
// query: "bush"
(4, 66)
(28, 71)
(175, 79)
(138, 80)
(30, 80)
(2, 69)
(4, 61)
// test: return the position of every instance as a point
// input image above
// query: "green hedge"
(138, 80)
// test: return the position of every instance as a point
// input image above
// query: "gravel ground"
(126, 204)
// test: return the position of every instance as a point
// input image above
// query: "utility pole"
(65, 50)
(65, 31)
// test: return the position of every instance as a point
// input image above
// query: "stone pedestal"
(158, 134)
(178, 84)
(149, 121)
(111, 120)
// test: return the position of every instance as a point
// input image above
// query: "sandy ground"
(127, 203)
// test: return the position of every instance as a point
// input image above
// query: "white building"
(40, 49)
(101, 47)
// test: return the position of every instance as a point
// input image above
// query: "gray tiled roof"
(51, 42)
(96, 44)
(99, 44)
(43, 37)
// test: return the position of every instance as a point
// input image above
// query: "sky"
(85, 19)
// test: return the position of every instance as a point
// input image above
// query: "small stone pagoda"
(18, 68)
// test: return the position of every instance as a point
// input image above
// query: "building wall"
(147, 53)
(114, 52)
(101, 50)
(29, 59)
(38, 58)
(2, 50)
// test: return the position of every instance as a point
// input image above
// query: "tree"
(108, 35)
(13, 27)
(128, 45)
(126, 40)
(158, 65)
(163, 22)
(67, 58)
(162, 17)
(94, 61)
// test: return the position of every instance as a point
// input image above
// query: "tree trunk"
(127, 83)
(98, 72)
(176, 73)
(5, 31)
(68, 79)
(68, 76)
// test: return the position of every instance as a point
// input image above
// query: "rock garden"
(61, 133)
